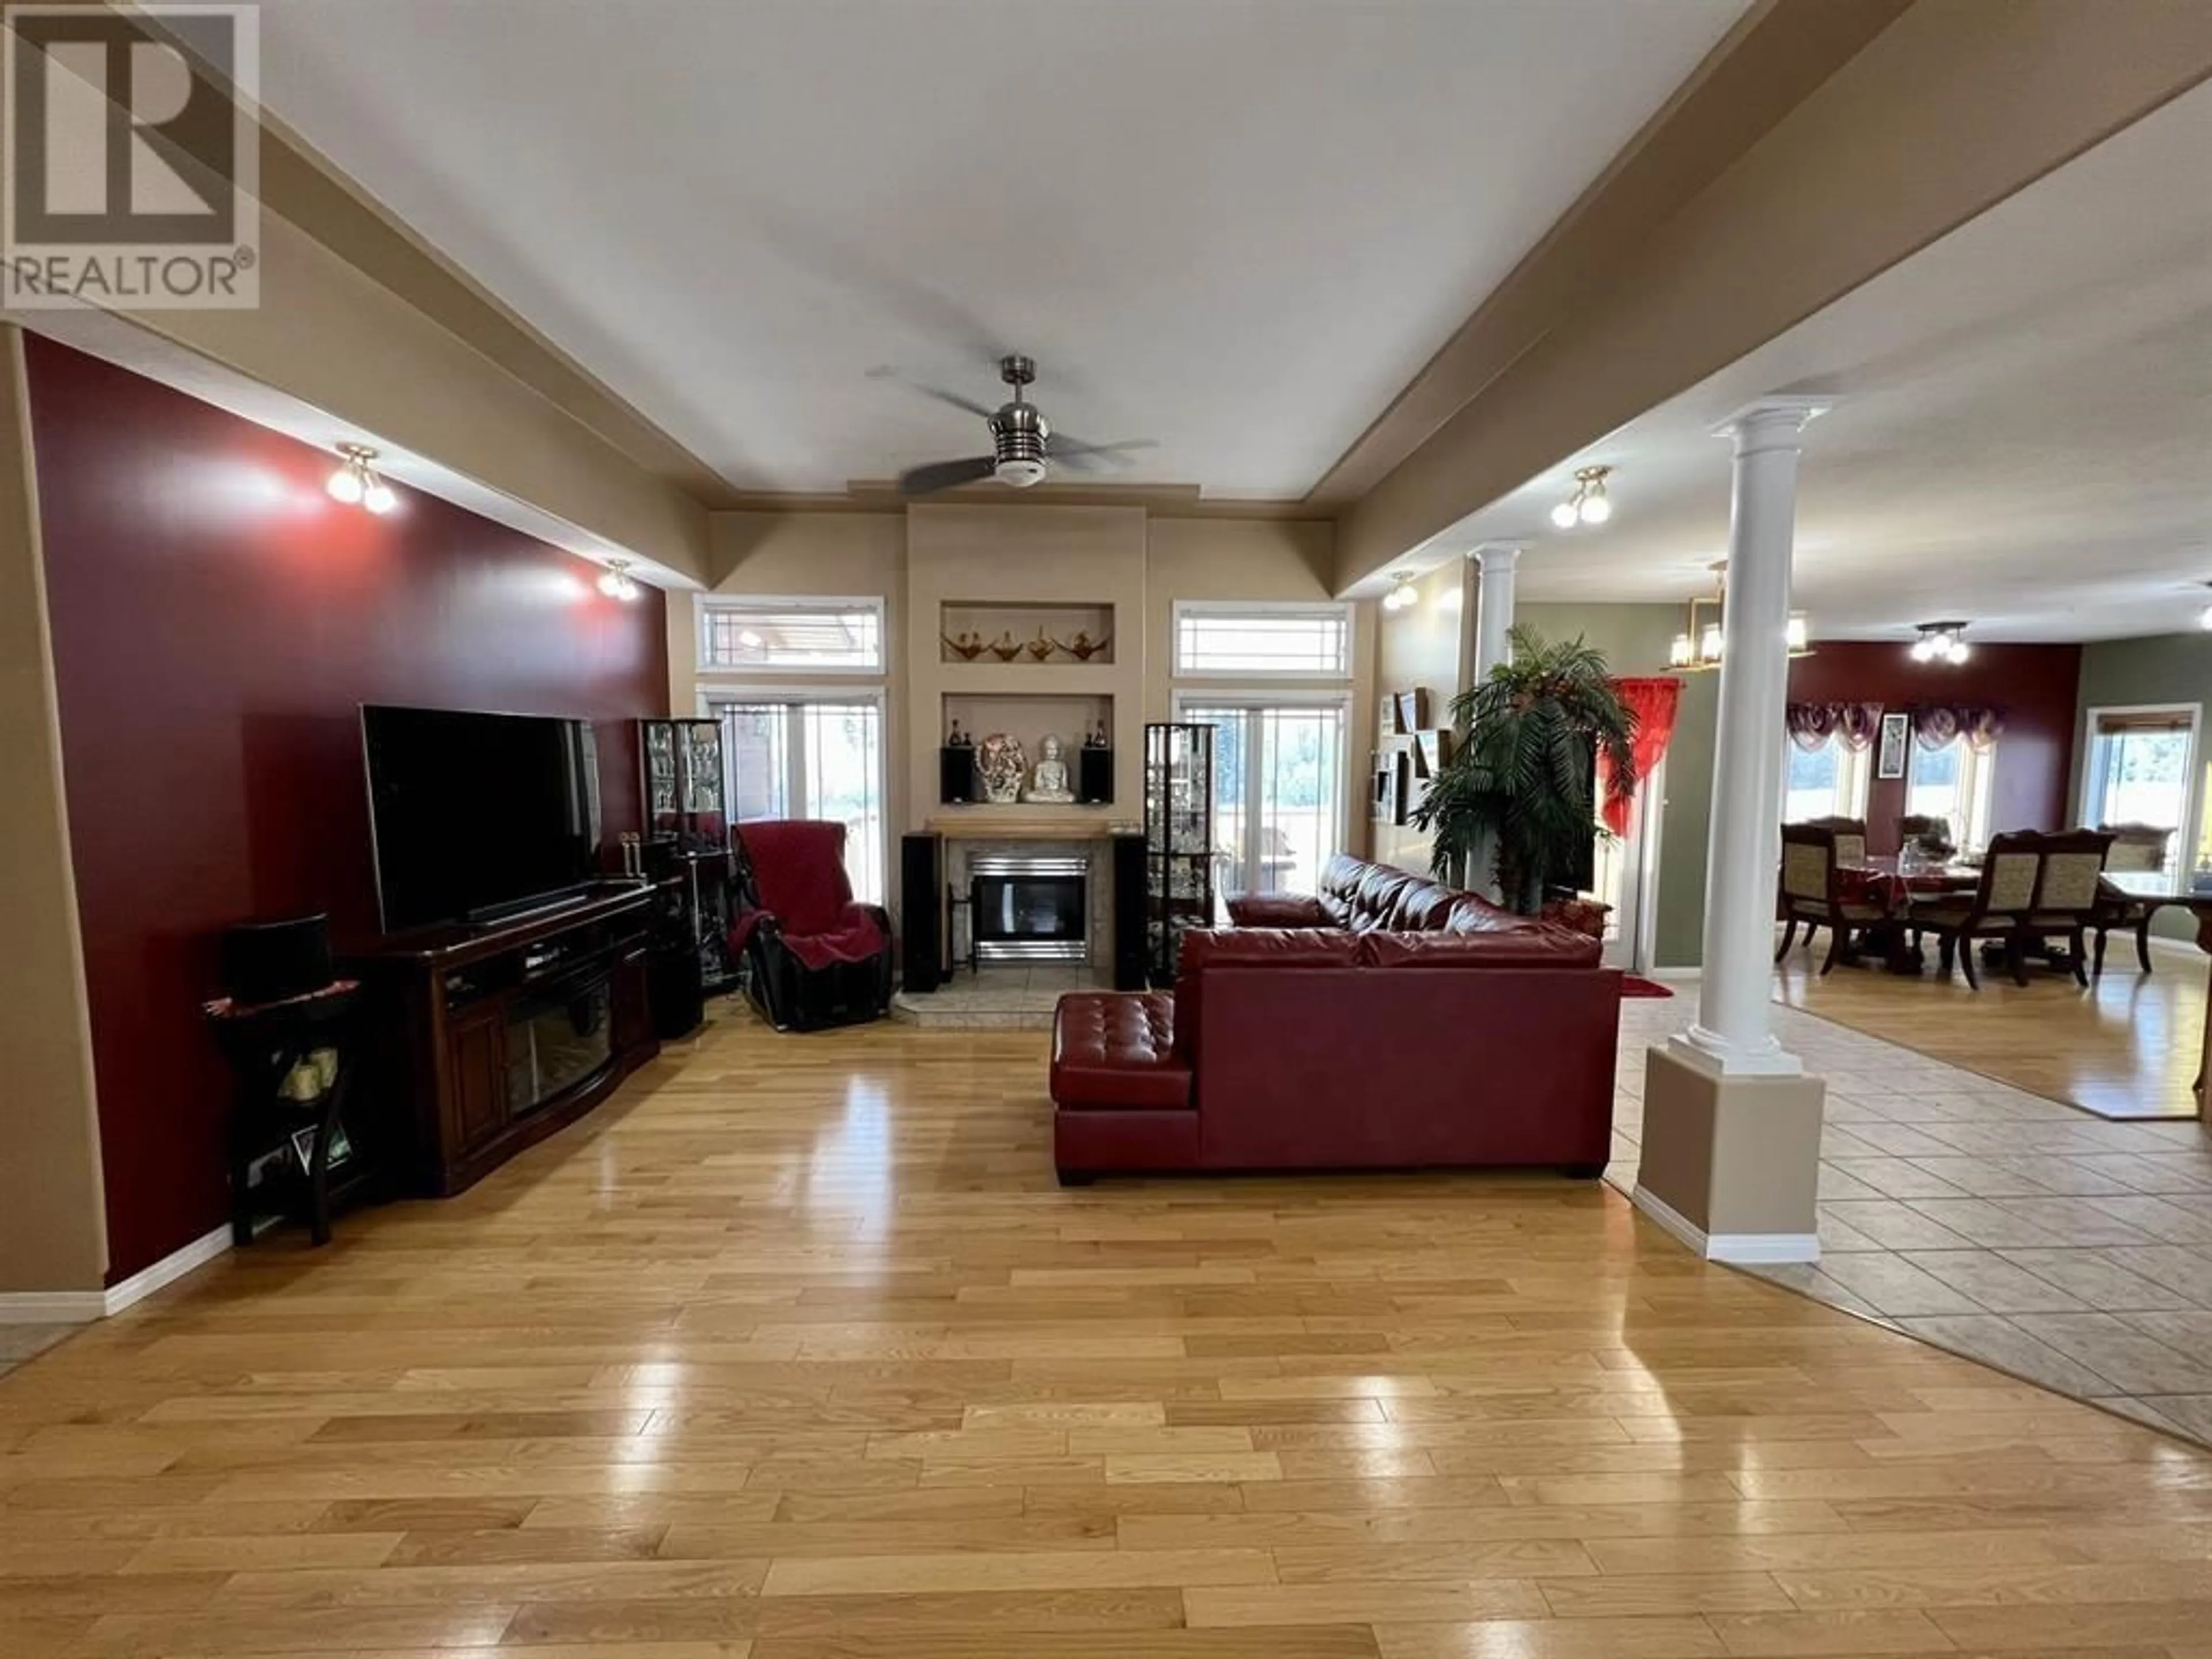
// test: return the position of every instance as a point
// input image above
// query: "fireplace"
(1029, 908)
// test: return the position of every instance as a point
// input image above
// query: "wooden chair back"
(1851, 837)
(1809, 872)
(2071, 864)
(2136, 847)
(2010, 871)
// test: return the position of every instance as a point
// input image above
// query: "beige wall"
(1424, 647)
(53, 1216)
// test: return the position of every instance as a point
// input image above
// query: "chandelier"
(1942, 641)
(1697, 648)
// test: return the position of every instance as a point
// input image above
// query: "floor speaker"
(1129, 952)
(922, 891)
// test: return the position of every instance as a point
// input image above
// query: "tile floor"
(1001, 998)
(20, 1342)
(2070, 1251)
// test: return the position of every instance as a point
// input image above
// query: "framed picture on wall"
(1896, 738)
(1413, 710)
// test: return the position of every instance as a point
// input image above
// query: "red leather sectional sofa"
(1383, 1022)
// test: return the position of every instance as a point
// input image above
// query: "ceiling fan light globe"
(1566, 515)
(1019, 474)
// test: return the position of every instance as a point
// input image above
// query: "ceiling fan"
(1022, 442)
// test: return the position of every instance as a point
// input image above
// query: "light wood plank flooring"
(2128, 1047)
(794, 1351)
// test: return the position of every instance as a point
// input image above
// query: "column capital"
(1772, 422)
(1498, 555)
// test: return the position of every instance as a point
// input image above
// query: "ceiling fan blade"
(1093, 457)
(942, 396)
(945, 475)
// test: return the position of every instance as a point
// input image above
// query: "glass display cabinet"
(1178, 840)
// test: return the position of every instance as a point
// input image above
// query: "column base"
(1730, 1163)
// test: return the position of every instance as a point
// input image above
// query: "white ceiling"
(2024, 439)
(1240, 229)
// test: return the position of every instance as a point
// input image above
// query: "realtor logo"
(132, 157)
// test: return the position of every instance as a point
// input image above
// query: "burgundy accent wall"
(218, 619)
(2034, 684)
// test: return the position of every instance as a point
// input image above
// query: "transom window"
(1248, 640)
(843, 636)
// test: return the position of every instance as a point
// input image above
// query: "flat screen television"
(473, 815)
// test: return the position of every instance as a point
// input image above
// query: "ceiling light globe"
(1960, 651)
(378, 497)
(1682, 653)
(1566, 515)
(1595, 509)
(1797, 635)
(345, 485)
(2204, 620)
(1923, 649)
(1714, 642)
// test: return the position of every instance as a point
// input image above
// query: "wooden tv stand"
(484, 1040)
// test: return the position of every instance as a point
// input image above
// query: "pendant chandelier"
(1697, 648)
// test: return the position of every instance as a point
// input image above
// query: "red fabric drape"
(1653, 703)
(799, 870)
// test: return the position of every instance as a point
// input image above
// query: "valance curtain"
(1937, 724)
(1653, 703)
(1812, 724)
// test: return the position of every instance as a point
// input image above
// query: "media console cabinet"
(484, 1040)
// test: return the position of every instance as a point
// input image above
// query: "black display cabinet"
(1178, 840)
(685, 799)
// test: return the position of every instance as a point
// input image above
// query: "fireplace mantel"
(986, 826)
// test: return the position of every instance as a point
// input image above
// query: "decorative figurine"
(1004, 648)
(1041, 648)
(958, 739)
(1094, 736)
(1049, 787)
(1083, 647)
(968, 645)
(1002, 765)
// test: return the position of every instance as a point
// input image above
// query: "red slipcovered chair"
(817, 959)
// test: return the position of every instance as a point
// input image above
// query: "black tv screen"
(473, 813)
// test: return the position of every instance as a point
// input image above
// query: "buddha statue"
(1048, 785)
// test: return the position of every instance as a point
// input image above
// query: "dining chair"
(1850, 838)
(1998, 908)
(1919, 828)
(2137, 849)
(2066, 889)
(1813, 891)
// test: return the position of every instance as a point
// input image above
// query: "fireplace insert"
(1030, 909)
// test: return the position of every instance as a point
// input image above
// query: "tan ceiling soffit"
(1778, 52)
(1160, 501)
(1950, 109)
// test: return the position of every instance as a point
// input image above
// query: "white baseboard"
(168, 1270)
(82, 1307)
(1676, 975)
(1741, 1250)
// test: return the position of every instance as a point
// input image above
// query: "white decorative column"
(1494, 608)
(1732, 1124)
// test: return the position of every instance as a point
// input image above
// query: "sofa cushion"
(1377, 896)
(1474, 914)
(1278, 910)
(1521, 948)
(1422, 906)
(1111, 1050)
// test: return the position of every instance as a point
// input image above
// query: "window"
(804, 757)
(2141, 766)
(1278, 782)
(809, 635)
(1827, 782)
(1952, 783)
(1248, 639)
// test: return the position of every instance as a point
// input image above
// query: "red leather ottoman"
(1123, 1096)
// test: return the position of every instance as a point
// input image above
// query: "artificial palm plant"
(1520, 785)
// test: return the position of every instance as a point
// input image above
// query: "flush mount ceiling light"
(357, 483)
(1403, 595)
(1697, 648)
(1942, 641)
(616, 582)
(1588, 504)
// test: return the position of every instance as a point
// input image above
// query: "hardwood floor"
(796, 1350)
(2128, 1047)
